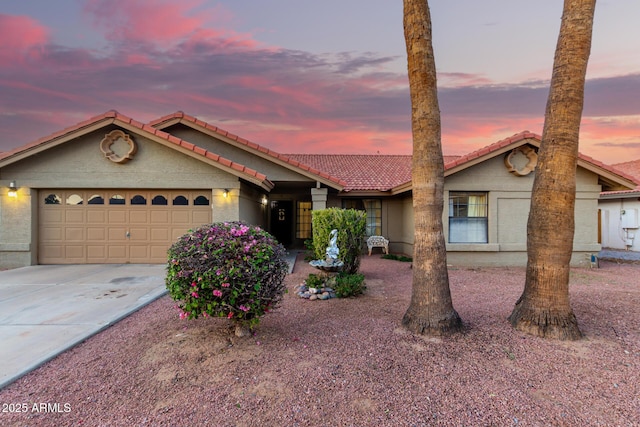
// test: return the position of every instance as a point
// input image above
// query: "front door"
(282, 221)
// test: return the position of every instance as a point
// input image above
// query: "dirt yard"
(349, 362)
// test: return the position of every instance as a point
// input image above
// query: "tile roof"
(351, 172)
(491, 148)
(361, 171)
(181, 117)
(631, 168)
(113, 116)
(385, 172)
(537, 139)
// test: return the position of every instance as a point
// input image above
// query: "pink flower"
(244, 308)
(183, 315)
(193, 284)
(217, 293)
(230, 315)
(194, 294)
(226, 285)
(218, 272)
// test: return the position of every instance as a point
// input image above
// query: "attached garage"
(115, 226)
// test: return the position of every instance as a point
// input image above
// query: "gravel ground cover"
(349, 362)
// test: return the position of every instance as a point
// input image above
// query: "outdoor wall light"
(264, 201)
(13, 190)
(225, 193)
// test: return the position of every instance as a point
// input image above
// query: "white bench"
(378, 242)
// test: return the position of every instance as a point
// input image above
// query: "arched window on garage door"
(180, 201)
(96, 199)
(138, 200)
(52, 199)
(74, 199)
(159, 200)
(116, 199)
(201, 201)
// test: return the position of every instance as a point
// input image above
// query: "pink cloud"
(169, 55)
(23, 39)
(164, 23)
(461, 79)
(611, 139)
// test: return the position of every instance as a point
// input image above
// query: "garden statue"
(331, 262)
(332, 249)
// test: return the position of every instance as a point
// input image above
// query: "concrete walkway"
(47, 309)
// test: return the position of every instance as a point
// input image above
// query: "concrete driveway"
(47, 309)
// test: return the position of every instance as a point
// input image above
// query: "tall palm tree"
(431, 310)
(544, 309)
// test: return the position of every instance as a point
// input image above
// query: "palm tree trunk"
(431, 310)
(544, 308)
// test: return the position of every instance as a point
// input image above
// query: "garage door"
(116, 226)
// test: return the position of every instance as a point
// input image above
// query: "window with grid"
(468, 221)
(373, 208)
(303, 226)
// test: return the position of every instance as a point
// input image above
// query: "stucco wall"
(251, 208)
(617, 219)
(273, 171)
(81, 164)
(509, 203)
(18, 217)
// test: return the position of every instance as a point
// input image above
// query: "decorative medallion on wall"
(521, 161)
(118, 147)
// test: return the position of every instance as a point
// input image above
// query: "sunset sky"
(310, 76)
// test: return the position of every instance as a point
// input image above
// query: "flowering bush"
(228, 270)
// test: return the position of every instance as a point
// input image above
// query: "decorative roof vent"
(118, 147)
(521, 161)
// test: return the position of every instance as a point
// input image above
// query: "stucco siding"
(81, 164)
(273, 171)
(508, 211)
(251, 209)
(392, 223)
(619, 229)
(511, 224)
(17, 231)
(403, 243)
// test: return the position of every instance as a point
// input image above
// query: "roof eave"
(242, 144)
(617, 182)
(197, 153)
(612, 195)
(365, 193)
(402, 188)
(35, 148)
(480, 156)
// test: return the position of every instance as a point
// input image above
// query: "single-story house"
(115, 190)
(620, 213)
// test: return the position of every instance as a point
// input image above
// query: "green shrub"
(349, 285)
(351, 225)
(315, 281)
(397, 257)
(228, 270)
(308, 246)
